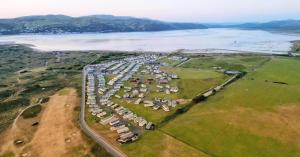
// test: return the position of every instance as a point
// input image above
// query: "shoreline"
(182, 51)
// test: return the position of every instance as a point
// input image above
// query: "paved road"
(90, 132)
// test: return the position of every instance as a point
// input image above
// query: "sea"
(214, 40)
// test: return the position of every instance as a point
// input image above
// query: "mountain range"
(94, 23)
(108, 23)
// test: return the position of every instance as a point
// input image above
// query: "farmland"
(256, 116)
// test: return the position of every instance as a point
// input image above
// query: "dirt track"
(56, 135)
(57, 131)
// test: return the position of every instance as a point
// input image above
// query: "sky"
(167, 10)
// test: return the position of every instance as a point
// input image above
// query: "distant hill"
(283, 25)
(94, 23)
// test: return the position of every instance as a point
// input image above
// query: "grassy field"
(159, 144)
(229, 62)
(194, 81)
(256, 116)
(170, 62)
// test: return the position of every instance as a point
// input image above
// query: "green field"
(257, 116)
(253, 117)
(170, 62)
(194, 81)
(157, 144)
(229, 62)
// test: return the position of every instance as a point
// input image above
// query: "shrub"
(13, 104)
(32, 111)
(6, 93)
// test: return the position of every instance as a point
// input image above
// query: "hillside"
(282, 25)
(94, 23)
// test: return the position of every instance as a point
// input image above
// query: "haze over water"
(229, 39)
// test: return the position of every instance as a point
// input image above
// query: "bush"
(32, 112)
(13, 104)
(6, 93)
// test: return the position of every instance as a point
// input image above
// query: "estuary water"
(217, 40)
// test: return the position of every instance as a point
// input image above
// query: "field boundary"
(205, 152)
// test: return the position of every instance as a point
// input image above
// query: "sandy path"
(57, 131)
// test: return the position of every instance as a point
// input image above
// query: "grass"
(12, 104)
(8, 154)
(32, 112)
(191, 83)
(5, 94)
(98, 151)
(159, 144)
(148, 113)
(64, 91)
(250, 118)
(170, 62)
(234, 62)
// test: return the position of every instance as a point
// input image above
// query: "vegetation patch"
(8, 154)
(234, 62)
(32, 112)
(245, 120)
(6, 93)
(10, 105)
(64, 91)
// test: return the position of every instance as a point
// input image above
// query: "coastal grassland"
(170, 62)
(159, 144)
(256, 116)
(194, 81)
(27, 75)
(240, 62)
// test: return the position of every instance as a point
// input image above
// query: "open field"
(170, 62)
(256, 116)
(194, 81)
(227, 62)
(160, 144)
